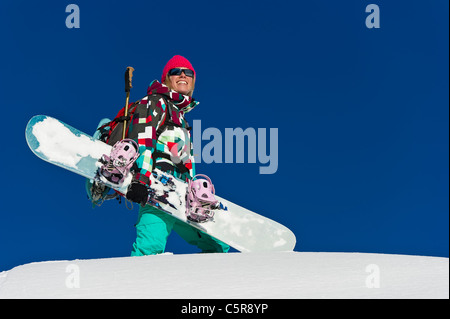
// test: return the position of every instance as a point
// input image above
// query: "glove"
(138, 193)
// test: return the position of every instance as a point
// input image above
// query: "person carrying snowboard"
(159, 127)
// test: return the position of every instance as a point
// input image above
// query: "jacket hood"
(183, 102)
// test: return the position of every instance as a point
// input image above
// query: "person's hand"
(138, 193)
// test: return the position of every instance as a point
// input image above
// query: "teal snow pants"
(154, 227)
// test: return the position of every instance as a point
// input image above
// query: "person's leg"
(152, 230)
(205, 242)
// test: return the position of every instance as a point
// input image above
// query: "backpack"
(112, 131)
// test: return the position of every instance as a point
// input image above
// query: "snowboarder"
(159, 127)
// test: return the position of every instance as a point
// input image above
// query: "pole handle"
(128, 77)
(128, 86)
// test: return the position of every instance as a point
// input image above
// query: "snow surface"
(272, 275)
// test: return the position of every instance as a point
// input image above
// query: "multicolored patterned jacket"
(163, 134)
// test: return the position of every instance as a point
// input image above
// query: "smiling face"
(181, 83)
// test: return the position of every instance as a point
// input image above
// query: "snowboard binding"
(115, 168)
(164, 179)
(200, 200)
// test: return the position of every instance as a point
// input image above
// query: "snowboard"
(246, 231)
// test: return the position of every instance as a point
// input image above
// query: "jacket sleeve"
(149, 116)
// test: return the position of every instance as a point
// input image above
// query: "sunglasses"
(178, 71)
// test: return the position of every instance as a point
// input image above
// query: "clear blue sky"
(362, 116)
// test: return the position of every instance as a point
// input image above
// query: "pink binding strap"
(200, 201)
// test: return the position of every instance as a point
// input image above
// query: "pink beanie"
(176, 62)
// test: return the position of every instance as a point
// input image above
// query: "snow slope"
(222, 276)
